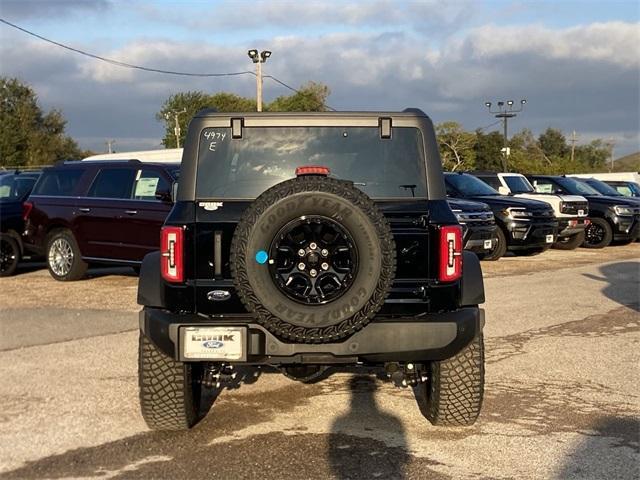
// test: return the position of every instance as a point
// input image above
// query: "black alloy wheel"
(9, 255)
(598, 234)
(313, 260)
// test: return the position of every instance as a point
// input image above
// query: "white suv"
(570, 210)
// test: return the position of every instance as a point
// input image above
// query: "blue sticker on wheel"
(262, 257)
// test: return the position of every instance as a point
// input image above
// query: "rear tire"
(500, 248)
(9, 255)
(169, 391)
(64, 258)
(598, 234)
(569, 243)
(452, 396)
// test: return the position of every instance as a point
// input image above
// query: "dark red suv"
(110, 212)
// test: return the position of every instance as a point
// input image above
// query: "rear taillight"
(26, 210)
(171, 249)
(450, 253)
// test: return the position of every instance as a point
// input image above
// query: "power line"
(293, 89)
(490, 125)
(118, 63)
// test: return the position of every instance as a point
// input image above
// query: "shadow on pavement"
(610, 450)
(621, 282)
(354, 457)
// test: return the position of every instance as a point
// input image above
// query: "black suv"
(614, 218)
(15, 187)
(478, 225)
(525, 227)
(305, 241)
(108, 212)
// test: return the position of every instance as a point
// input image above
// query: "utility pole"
(258, 58)
(109, 144)
(505, 113)
(612, 146)
(573, 141)
(176, 128)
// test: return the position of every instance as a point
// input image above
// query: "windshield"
(575, 187)
(468, 185)
(518, 184)
(264, 156)
(15, 187)
(603, 188)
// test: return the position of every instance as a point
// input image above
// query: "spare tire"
(313, 259)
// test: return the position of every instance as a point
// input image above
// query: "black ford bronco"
(304, 241)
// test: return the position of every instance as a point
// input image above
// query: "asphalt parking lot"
(562, 394)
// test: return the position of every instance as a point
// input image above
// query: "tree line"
(30, 137)
(548, 153)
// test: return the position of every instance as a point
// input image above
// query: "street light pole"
(258, 58)
(505, 113)
(176, 128)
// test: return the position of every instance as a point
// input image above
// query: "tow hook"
(406, 375)
(217, 375)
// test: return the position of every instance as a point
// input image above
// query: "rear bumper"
(428, 337)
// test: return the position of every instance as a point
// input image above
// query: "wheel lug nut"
(301, 252)
(313, 246)
(324, 252)
(325, 266)
(301, 266)
(313, 272)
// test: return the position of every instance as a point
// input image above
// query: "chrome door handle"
(85, 210)
(130, 212)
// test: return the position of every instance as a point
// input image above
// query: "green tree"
(456, 146)
(553, 143)
(488, 152)
(29, 136)
(309, 98)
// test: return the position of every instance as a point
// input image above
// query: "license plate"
(549, 238)
(487, 244)
(581, 213)
(214, 343)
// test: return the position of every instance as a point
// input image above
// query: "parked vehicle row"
(15, 187)
(111, 211)
(97, 212)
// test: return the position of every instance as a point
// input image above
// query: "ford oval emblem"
(213, 344)
(218, 295)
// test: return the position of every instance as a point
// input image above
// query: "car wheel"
(314, 259)
(453, 393)
(170, 391)
(499, 249)
(64, 258)
(9, 255)
(569, 243)
(598, 234)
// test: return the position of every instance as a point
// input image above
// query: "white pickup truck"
(570, 210)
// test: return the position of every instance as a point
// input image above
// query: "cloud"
(21, 9)
(430, 15)
(584, 77)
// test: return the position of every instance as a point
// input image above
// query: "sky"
(577, 63)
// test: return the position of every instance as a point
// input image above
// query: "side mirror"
(502, 190)
(164, 196)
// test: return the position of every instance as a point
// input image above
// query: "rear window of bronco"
(243, 168)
